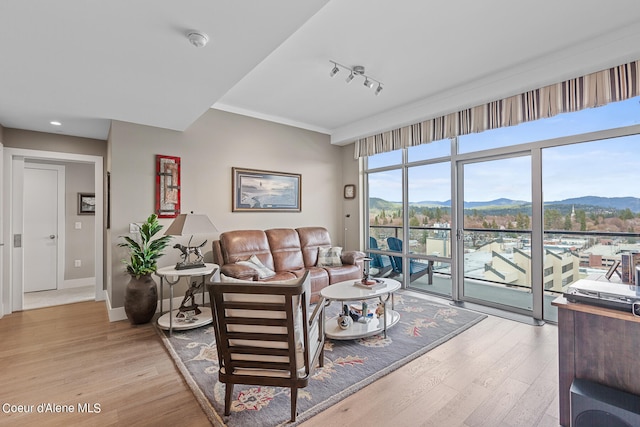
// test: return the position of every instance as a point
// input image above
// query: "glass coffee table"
(347, 292)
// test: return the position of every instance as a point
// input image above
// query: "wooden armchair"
(265, 336)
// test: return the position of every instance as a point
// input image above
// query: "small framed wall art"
(86, 204)
(167, 186)
(266, 191)
(349, 191)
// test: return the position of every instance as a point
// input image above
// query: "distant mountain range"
(585, 202)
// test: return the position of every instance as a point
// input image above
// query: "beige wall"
(208, 150)
(80, 243)
(352, 207)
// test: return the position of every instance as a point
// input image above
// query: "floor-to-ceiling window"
(512, 216)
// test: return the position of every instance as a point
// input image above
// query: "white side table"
(171, 276)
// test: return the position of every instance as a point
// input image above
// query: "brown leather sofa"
(288, 252)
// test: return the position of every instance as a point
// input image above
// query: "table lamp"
(190, 224)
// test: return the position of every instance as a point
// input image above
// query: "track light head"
(349, 77)
(334, 70)
(378, 89)
(368, 83)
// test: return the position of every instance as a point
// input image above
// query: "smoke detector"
(198, 39)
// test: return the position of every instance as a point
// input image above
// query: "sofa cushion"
(346, 272)
(282, 275)
(311, 238)
(285, 249)
(241, 244)
(329, 257)
(319, 281)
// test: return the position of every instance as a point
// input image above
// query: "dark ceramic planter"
(141, 299)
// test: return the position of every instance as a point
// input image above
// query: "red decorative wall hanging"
(167, 186)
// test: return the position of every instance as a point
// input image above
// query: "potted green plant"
(141, 293)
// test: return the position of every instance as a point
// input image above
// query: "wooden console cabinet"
(596, 344)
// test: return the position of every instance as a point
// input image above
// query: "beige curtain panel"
(593, 90)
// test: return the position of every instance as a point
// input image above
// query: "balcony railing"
(568, 255)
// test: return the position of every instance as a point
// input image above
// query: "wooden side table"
(171, 276)
(596, 344)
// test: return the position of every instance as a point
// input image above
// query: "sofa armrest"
(238, 271)
(352, 257)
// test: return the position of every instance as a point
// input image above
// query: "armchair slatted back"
(265, 334)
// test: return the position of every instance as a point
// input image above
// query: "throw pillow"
(255, 263)
(330, 257)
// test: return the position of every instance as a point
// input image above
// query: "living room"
(218, 139)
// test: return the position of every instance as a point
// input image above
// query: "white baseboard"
(78, 283)
(118, 313)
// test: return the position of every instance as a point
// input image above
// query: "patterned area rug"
(348, 365)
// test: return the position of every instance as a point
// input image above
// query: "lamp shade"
(190, 224)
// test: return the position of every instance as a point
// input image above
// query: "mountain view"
(588, 213)
(588, 203)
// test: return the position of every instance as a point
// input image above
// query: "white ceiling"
(86, 63)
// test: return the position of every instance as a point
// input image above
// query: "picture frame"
(108, 204)
(350, 191)
(86, 204)
(167, 186)
(265, 191)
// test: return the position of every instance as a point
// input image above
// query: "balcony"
(497, 263)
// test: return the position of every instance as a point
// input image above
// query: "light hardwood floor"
(498, 373)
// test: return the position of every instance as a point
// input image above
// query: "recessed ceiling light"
(55, 123)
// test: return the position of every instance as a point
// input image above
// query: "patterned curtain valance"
(593, 90)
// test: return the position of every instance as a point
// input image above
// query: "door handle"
(52, 236)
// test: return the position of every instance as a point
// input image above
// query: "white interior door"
(41, 234)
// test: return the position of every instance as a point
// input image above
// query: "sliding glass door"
(495, 200)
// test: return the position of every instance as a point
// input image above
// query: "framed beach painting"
(265, 191)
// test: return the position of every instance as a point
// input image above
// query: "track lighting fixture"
(356, 70)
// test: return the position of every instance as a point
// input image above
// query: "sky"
(609, 168)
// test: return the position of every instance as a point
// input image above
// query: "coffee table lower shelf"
(359, 330)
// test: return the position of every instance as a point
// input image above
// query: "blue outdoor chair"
(416, 269)
(382, 263)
